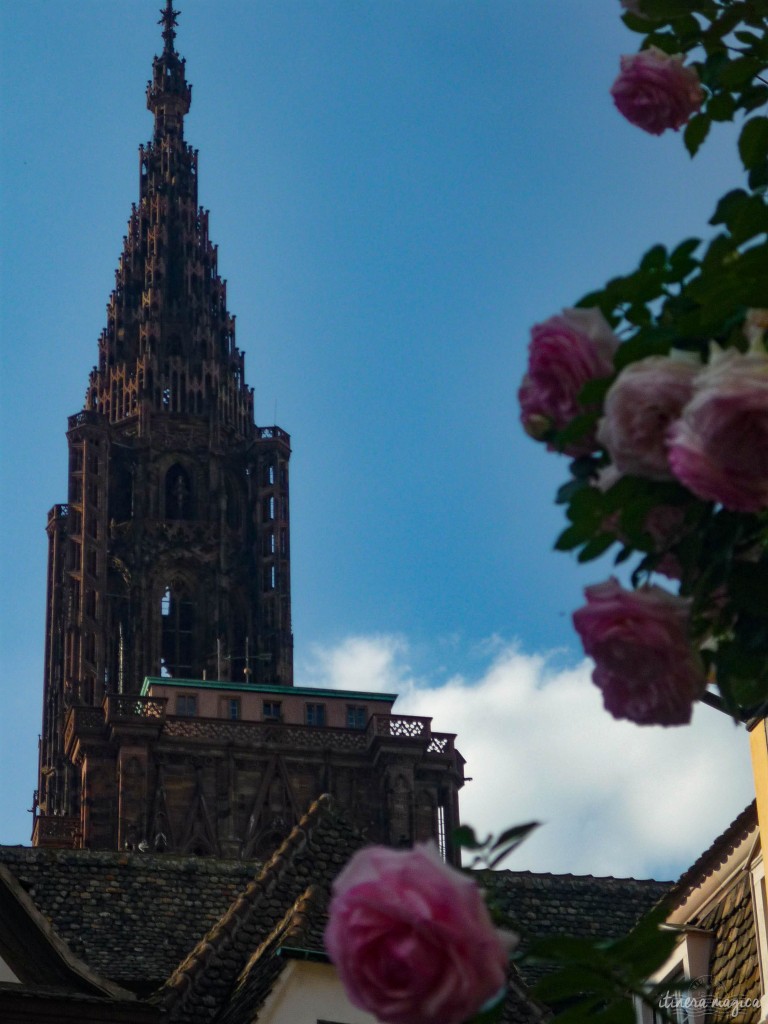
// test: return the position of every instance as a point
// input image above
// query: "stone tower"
(169, 574)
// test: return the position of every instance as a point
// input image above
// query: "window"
(178, 620)
(315, 714)
(186, 704)
(688, 962)
(233, 709)
(357, 716)
(674, 1005)
(442, 843)
(272, 710)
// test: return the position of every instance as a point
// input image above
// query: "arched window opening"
(178, 493)
(178, 623)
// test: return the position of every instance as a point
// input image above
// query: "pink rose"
(641, 404)
(565, 353)
(644, 662)
(655, 91)
(412, 939)
(719, 448)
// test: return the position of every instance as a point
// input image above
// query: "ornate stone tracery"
(171, 560)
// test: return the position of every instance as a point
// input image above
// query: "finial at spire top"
(168, 20)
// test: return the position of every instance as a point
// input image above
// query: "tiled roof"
(131, 917)
(52, 983)
(301, 928)
(219, 935)
(577, 906)
(300, 932)
(314, 853)
(716, 854)
(734, 970)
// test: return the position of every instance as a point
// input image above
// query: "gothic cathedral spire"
(171, 556)
(170, 718)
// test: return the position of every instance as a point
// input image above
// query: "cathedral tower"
(170, 718)
(171, 556)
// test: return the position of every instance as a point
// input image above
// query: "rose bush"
(412, 939)
(565, 352)
(640, 406)
(656, 91)
(644, 663)
(719, 448)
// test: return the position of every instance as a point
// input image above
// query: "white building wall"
(308, 992)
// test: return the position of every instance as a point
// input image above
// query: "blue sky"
(398, 191)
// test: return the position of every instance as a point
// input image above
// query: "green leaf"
(728, 206)
(721, 107)
(647, 946)
(758, 175)
(753, 142)
(751, 219)
(515, 834)
(575, 431)
(668, 10)
(566, 492)
(684, 249)
(654, 259)
(696, 132)
(753, 97)
(465, 837)
(583, 468)
(749, 38)
(587, 505)
(740, 72)
(596, 547)
(572, 536)
(713, 65)
(748, 587)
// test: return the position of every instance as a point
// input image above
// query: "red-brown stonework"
(171, 559)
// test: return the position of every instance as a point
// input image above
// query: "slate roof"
(53, 984)
(131, 917)
(313, 854)
(734, 970)
(300, 929)
(716, 854)
(212, 936)
(577, 906)
(300, 933)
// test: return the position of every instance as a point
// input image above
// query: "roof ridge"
(73, 964)
(291, 925)
(183, 979)
(570, 875)
(716, 853)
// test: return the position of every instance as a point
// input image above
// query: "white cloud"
(615, 798)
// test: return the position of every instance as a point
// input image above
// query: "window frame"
(187, 700)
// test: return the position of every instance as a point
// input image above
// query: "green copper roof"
(301, 691)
